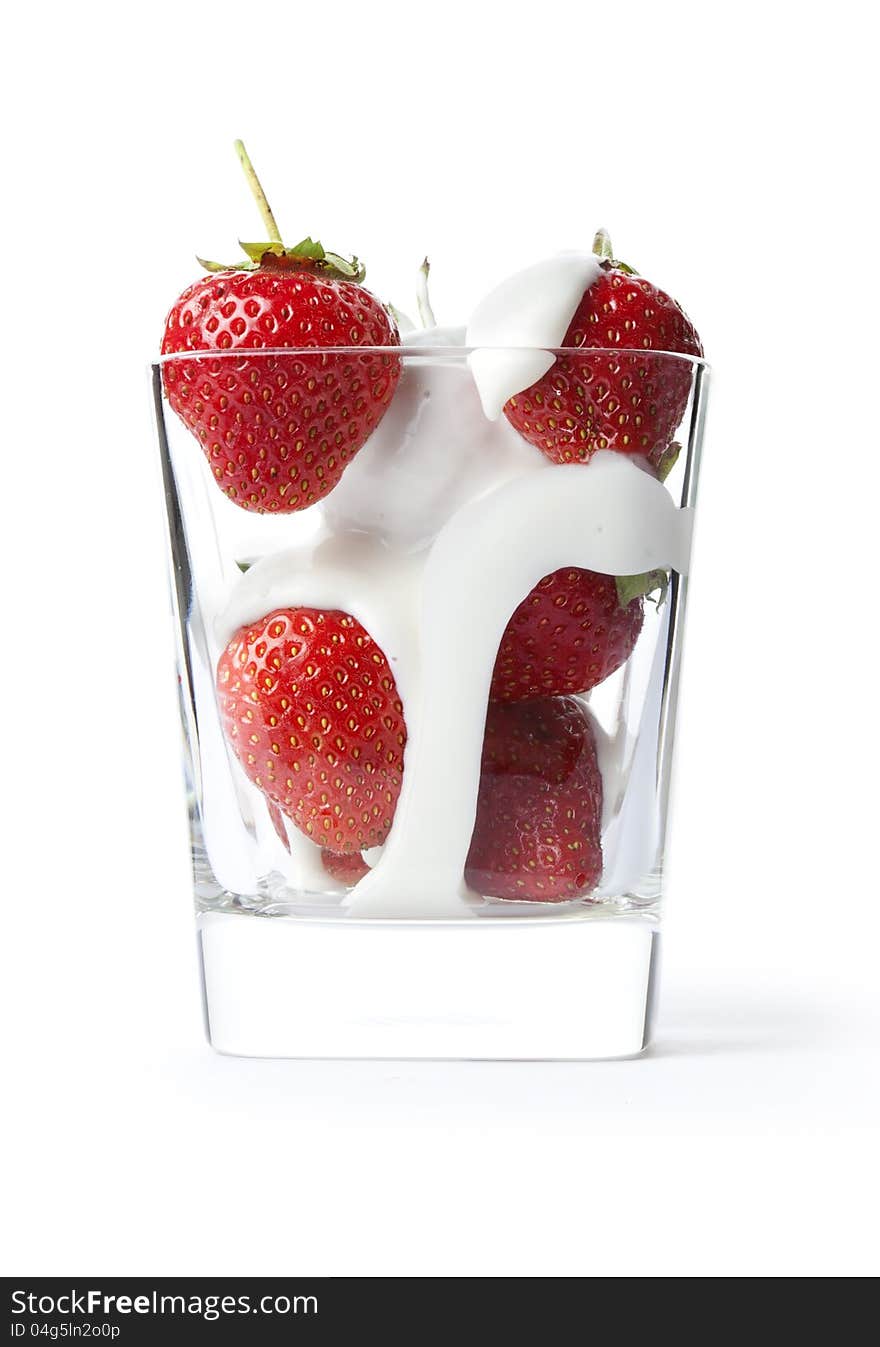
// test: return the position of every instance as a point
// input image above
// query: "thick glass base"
(539, 988)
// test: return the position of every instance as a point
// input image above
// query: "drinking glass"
(513, 906)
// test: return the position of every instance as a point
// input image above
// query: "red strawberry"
(279, 430)
(568, 635)
(310, 709)
(348, 867)
(537, 835)
(631, 403)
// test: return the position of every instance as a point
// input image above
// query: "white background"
(730, 152)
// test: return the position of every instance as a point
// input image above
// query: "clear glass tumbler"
(428, 707)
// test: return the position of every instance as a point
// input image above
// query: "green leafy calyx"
(631, 587)
(307, 255)
(603, 250)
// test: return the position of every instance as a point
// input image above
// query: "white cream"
(349, 571)
(531, 309)
(439, 615)
(299, 862)
(432, 453)
(432, 337)
(606, 516)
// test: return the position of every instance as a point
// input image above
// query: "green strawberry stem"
(258, 194)
(603, 250)
(426, 313)
(601, 243)
(308, 254)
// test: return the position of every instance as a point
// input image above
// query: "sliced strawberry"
(311, 710)
(568, 635)
(537, 836)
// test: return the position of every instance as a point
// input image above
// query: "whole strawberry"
(310, 708)
(278, 431)
(621, 397)
(569, 634)
(537, 835)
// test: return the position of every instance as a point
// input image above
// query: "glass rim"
(424, 351)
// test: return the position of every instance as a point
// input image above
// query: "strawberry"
(278, 431)
(347, 867)
(569, 634)
(630, 403)
(310, 708)
(537, 836)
